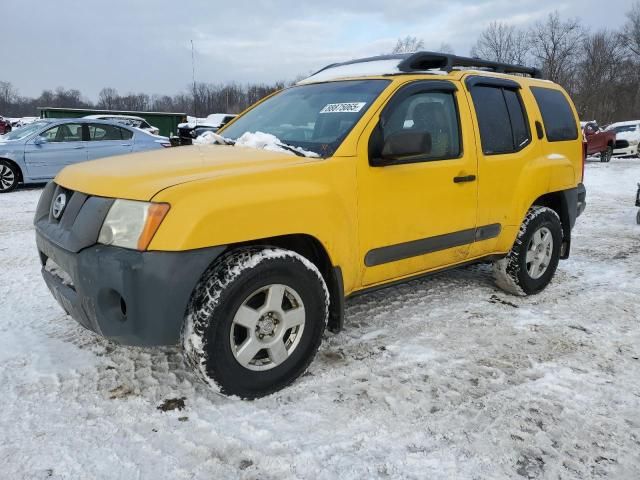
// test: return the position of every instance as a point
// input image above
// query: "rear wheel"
(255, 321)
(605, 156)
(9, 176)
(534, 257)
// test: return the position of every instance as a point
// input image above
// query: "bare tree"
(107, 98)
(556, 45)
(8, 93)
(598, 87)
(501, 42)
(408, 44)
(631, 30)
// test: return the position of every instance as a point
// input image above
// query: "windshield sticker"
(352, 107)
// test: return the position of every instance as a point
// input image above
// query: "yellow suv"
(366, 173)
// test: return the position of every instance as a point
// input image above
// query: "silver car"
(130, 120)
(36, 152)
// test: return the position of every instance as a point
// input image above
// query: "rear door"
(106, 140)
(60, 145)
(504, 149)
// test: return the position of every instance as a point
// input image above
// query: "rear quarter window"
(557, 116)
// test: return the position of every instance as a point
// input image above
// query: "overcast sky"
(144, 46)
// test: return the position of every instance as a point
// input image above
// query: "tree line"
(600, 69)
(200, 99)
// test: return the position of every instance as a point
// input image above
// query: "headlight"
(634, 141)
(132, 224)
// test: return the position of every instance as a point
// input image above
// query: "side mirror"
(400, 145)
(40, 140)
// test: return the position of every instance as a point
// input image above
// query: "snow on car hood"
(259, 140)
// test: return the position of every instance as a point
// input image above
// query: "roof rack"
(421, 61)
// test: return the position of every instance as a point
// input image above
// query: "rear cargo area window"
(501, 119)
(557, 116)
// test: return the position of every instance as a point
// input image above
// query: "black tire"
(512, 273)
(9, 176)
(605, 156)
(638, 217)
(210, 333)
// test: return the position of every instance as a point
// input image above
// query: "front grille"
(78, 224)
(622, 144)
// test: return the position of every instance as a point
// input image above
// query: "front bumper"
(130, 297)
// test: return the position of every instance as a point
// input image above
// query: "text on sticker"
(352, 107)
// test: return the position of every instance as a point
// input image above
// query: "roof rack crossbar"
(421, 61)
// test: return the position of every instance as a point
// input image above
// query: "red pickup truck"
(599, 141)
(5, 126)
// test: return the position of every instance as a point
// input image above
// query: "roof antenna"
(193, 76)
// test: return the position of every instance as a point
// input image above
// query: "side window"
(501, 119)
(126, 134)
(557, 116)
(433, 113)
(519, 123)
(99, 132)
(67, 132)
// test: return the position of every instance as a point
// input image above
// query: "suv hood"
(141, 176)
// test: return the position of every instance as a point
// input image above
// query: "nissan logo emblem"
(58, 205)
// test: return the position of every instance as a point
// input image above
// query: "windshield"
(314, 117)
(625, 128)
(24, 132)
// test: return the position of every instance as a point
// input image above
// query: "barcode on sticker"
(352, 107)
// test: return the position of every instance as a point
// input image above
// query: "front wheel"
(534, 257)
(9, 176)
(605, 156)
(255, 321)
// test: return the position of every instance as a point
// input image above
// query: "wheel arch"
(559, 202)
(313, 250)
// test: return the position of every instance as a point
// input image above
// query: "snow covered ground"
(446, 377)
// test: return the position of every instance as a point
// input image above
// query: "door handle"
(78, 147)
(466, 178)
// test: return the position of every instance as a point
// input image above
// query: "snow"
(446, 377)
(214, 120)
(257, 140)
(360, 69)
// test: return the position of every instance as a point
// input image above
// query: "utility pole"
(193, 76)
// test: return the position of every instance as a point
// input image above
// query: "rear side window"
(501, 119)
(559, 122)
(104, 132)
(126, 134)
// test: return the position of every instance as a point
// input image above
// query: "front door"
(419, 212)
(56, 147)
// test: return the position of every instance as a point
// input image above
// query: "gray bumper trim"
(130, 297)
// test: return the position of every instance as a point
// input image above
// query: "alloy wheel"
(539, 252)
(267, 327)
(7, 177)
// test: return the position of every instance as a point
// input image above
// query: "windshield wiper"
(290, 149)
